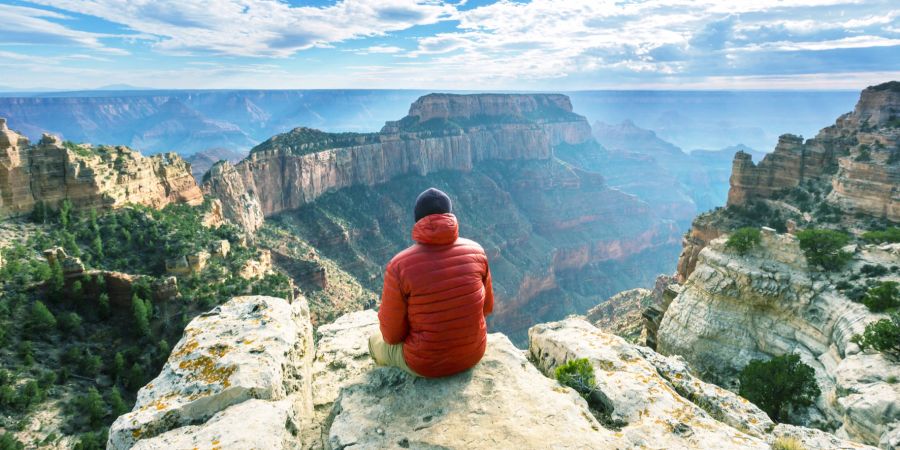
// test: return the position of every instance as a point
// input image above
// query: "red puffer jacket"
(435, 298)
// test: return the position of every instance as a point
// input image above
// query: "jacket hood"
(436, 229)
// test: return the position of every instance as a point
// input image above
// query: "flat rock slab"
(504, 402)
(253, 424)
(251, 347)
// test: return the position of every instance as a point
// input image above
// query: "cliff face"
(102, 177)
(736, 308)
(558, 237)
(860, 154)
(857, 159)
(246, 375)
(295, 168)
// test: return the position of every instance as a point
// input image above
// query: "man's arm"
(488, 291)
(392, 313)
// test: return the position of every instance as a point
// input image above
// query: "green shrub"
(9, 442)
(577, 374)
(743, 239)
(883, 297)
(141, 315)
(891, 235)
(41, 319)
(778, 385)
(93, 440)
(882, 336)
(70, 322)
(787, 443)
(823, 248)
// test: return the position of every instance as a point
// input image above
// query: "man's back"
(435, 299)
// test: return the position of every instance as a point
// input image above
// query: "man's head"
(432, 201)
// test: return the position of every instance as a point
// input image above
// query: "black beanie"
(432, 201)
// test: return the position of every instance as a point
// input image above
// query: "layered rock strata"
(339, 399)
(90, 177)
(441, 132)
(736, 308)
(245, 362)
(860, 154)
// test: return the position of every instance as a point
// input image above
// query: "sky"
(453, 45)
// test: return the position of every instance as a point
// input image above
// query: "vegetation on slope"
(72, 352)
(779, 386)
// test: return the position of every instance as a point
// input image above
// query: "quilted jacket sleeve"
(392, 313)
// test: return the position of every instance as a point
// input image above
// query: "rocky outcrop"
(503, 402)
(736, 308)
(621, 314)
(871, 188)
(245, 362)
(272, 393)
(703, 230)
(860, 154)
(656, 401)
(442, 132)
(90, 177)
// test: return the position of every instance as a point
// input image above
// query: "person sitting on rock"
(436, 296)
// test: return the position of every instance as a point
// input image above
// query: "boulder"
(251, 347)
(504, 402)
(657, 401)
(254, 423)
(637, 395)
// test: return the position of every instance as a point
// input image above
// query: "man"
(436, 296)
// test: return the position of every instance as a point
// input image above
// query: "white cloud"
(265, 28)
(380, 49)
(25, 25)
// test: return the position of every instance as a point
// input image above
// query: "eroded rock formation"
(860, 154)
(441, 132)
(263, 388)
(558, 237)
(736, 308)
(245, 362)
(90, 177)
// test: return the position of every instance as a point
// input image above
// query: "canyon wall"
(857, 158)
(558, 237)
(90, 177)
(860, 154)
(295, 168)
(736, 308)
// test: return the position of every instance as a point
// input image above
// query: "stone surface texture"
(247, 348)
(51, 171)
(736, 308)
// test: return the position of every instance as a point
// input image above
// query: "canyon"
(526, 174)
(727, 309)
(559, 239)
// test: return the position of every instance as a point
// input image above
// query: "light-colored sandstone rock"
(89, 177)
(736, 308)
(621, 314)
(253, 424)
(504, 402)
(248, 348)
(294, 168)
(638, 394)
(660, 402)
(814, 439)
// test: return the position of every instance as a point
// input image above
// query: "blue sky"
(433, 44)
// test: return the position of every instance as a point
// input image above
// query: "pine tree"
(141, 315)
(41, 319)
